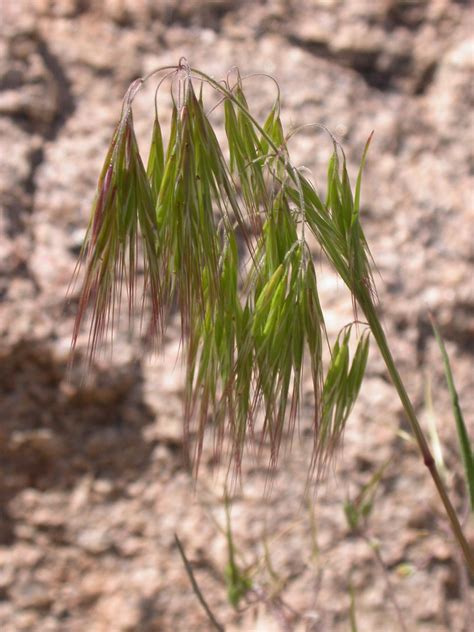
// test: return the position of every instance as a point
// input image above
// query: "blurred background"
(93, 483)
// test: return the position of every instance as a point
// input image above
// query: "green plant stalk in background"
(464, 443)
(238, 580)
(244, 342)
(358, 512)
(352, 608)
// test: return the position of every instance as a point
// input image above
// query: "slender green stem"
(417, 430)
(464, 443)
(352, 609)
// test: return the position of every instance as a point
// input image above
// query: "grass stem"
(417, 430)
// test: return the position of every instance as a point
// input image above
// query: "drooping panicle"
(122, 213)
(224, 240)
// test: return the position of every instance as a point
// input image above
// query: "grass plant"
(220, 232)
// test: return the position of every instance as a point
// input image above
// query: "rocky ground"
(93, 483)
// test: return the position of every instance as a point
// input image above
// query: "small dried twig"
(218, 626)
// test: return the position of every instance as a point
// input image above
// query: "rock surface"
(93, 482)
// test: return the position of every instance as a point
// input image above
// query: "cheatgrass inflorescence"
(222, 233)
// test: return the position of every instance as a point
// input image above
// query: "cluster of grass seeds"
(247, 318)
(245, 325)
(123, 213)
(341, 387)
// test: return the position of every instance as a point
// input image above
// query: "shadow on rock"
(54, 431)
